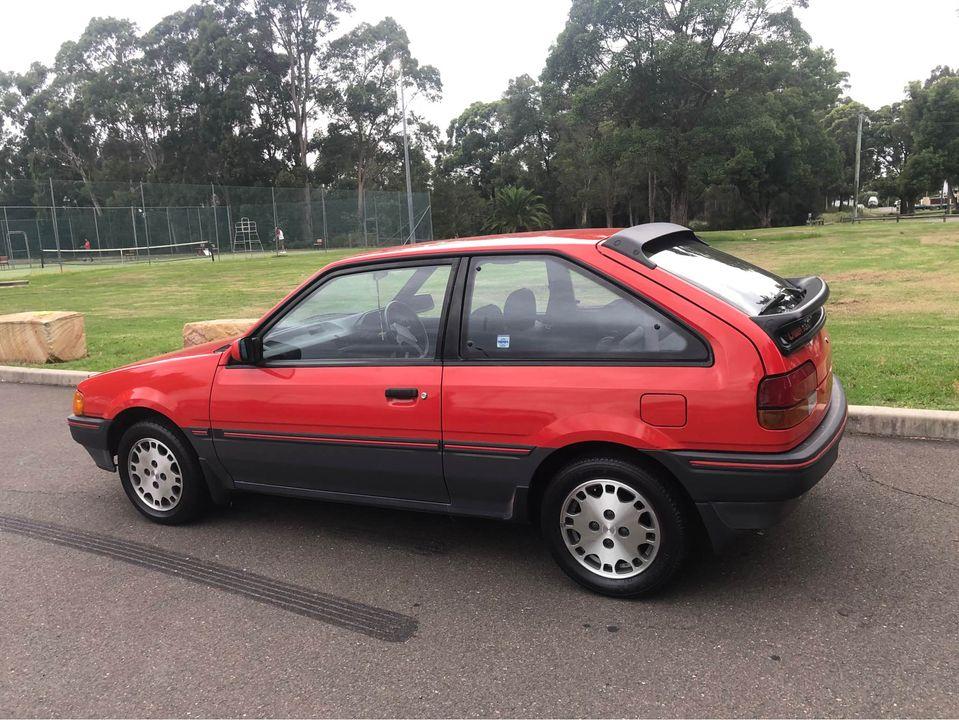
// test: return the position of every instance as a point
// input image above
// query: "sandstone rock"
(197, 333)
(42, 337)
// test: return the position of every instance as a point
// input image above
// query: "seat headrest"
(519, 312)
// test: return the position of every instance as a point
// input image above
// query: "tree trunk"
(632, 219)
(583, 213)
(609, 213)
(679, 203)
(766, 217)
(308, 215)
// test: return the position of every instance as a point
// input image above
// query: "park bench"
(4, 261)
(318, 243)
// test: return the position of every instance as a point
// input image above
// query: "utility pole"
(855, 200)
(406, 160)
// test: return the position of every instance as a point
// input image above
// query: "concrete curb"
(863, 419)
(903, 422)
(42, 376)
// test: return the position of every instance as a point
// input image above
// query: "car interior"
(368, 315)
(518, 307)
(545, 307)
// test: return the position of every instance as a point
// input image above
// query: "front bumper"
(94, 434)
(749, 491)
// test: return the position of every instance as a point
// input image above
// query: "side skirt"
(370, 500)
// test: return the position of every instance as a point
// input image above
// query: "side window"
(543, 307)
(387, 313)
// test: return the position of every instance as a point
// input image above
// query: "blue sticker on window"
(502, 341)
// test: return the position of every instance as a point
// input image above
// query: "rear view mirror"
(421, 303)
(249, 350)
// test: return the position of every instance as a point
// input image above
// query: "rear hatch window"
(741, 284)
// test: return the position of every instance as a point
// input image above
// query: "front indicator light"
(78, 403)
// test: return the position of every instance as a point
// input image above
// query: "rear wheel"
(160, 473)
(614, 527)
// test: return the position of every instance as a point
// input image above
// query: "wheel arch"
(216, 485)
(552, 463)
(128, 417)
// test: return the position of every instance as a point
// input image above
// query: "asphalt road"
(290, 608)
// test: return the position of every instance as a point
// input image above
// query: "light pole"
(855, 200)
(406, 161)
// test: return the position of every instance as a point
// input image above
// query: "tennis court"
(57, 223)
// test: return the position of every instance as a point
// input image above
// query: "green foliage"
(364, 68)
(645, 105)
(516, 209)
(231, 91)
(461, 209)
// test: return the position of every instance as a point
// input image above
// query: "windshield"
(743, 285)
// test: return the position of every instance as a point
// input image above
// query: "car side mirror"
(249, 350)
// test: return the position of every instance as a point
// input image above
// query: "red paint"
(488, 408)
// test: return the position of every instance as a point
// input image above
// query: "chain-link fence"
(71, 221)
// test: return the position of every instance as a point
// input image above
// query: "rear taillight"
(786, 400)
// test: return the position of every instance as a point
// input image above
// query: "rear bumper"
(93, 433)
(748, 491)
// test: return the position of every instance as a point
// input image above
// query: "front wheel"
(614, 527)
(160, 473)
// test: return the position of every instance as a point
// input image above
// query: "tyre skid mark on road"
(358, 617)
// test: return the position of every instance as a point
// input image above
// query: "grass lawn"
(893, 313)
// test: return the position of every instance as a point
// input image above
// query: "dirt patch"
(877, 276)
(949, 240)
(885, 292)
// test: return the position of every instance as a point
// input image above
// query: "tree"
(365, 67)
(842, 126)
(516, 209)
(935, 111)
(459, 208)
(214, 99)
(666, 65)
(299, 33)
(783, 160)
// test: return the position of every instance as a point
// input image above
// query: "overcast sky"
(478, 45)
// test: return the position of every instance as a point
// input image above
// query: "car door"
(347, 396)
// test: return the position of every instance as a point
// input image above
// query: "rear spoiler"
(794, 328)
(634, 241)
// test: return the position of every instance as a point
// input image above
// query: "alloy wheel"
(609, 528)
(155, 474)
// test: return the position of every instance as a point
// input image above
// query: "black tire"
(191, 497)
(674, 533)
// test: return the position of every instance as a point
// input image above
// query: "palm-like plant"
(516, 209)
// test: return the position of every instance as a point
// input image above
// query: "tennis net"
(117, 256)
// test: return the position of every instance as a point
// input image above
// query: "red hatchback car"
(624, 390)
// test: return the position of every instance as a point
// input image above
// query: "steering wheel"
(407, 329)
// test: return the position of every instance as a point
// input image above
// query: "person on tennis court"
(86, 246)
(280, 241)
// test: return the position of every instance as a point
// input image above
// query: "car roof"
(537, 240)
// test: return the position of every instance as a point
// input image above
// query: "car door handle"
(401, 393)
